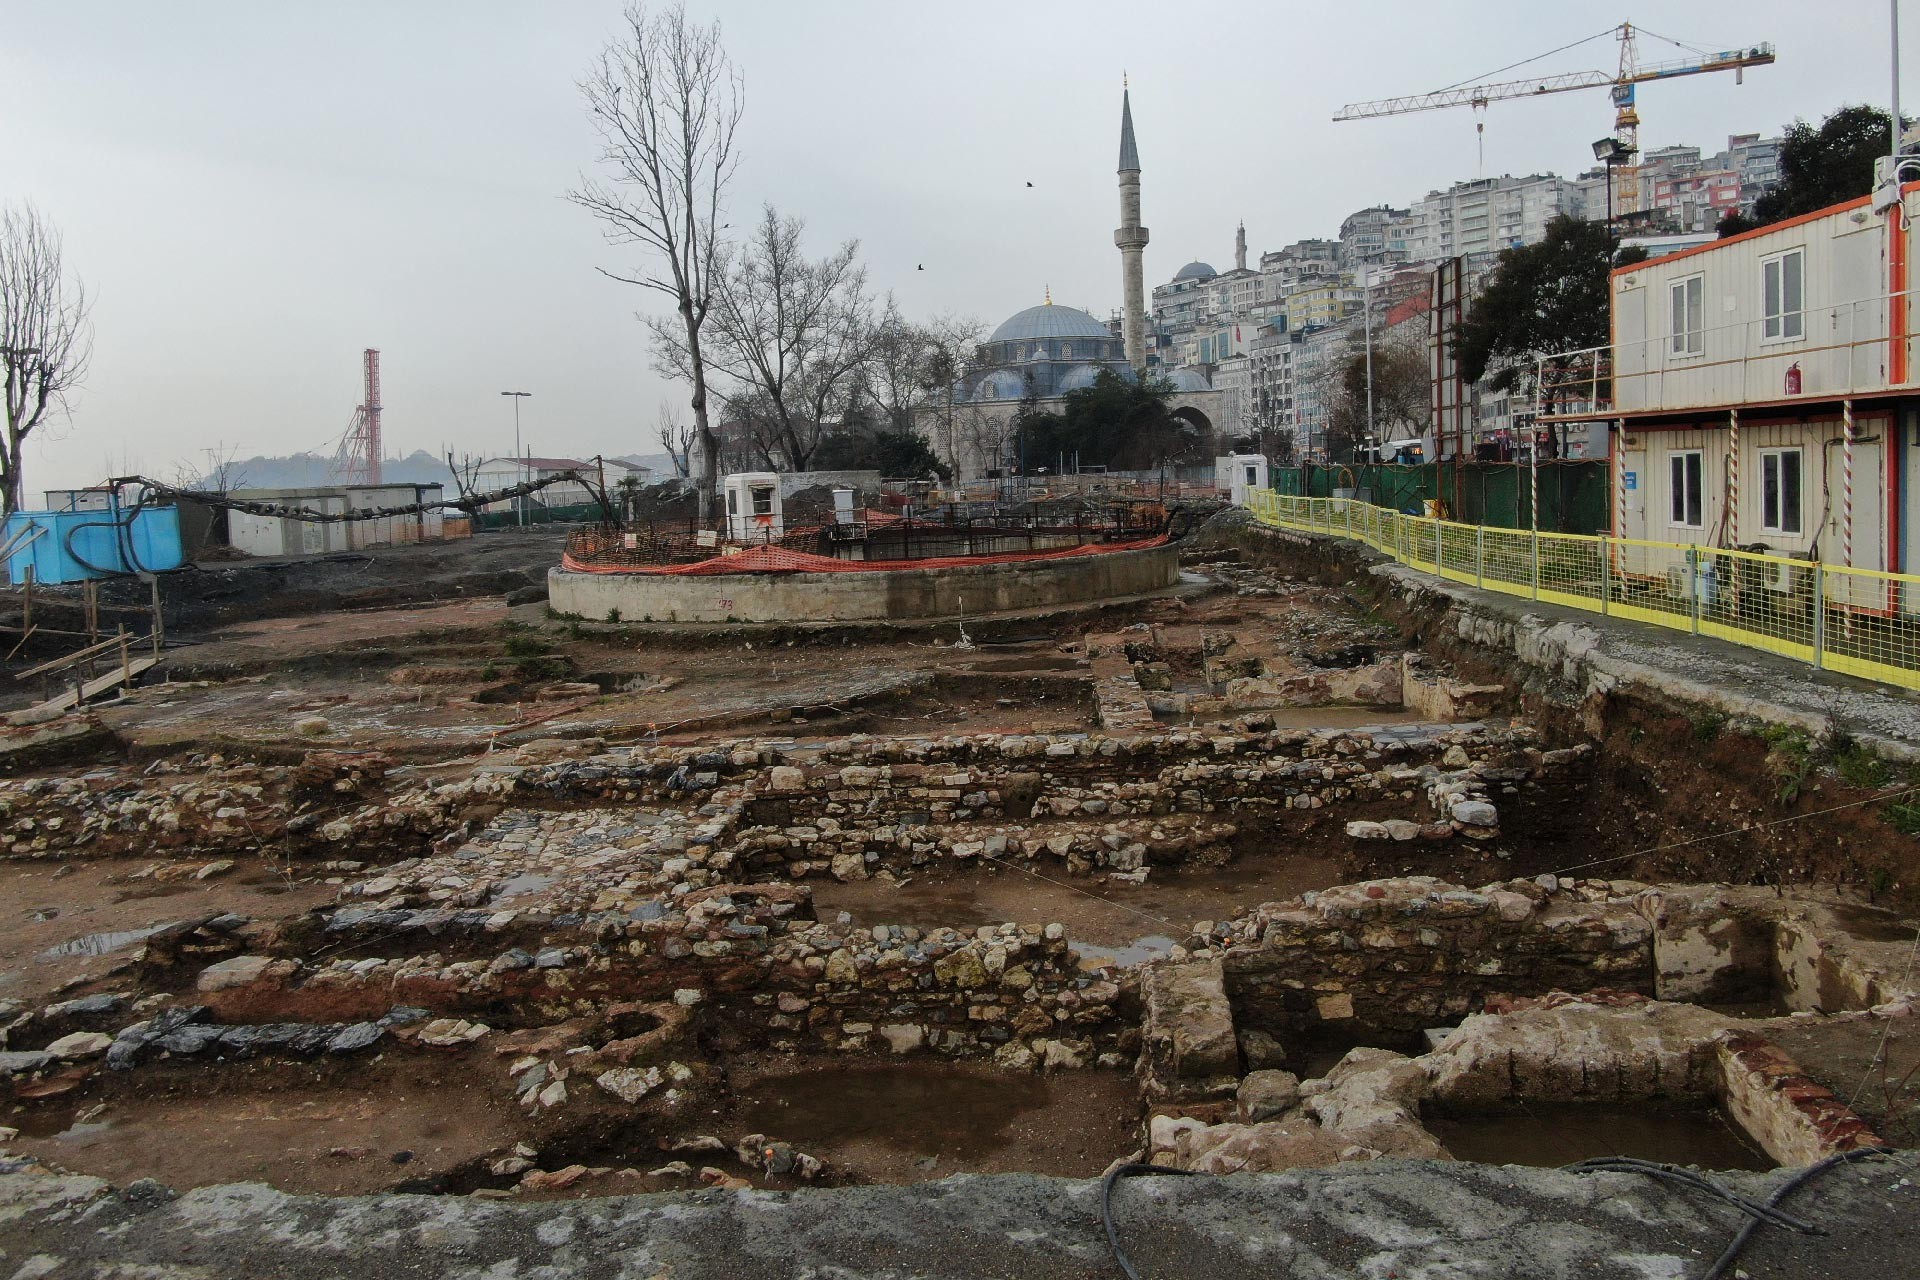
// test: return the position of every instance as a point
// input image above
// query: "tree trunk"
(706, 484)
(10, 492)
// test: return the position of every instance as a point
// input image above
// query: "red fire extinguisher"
(1793, 378)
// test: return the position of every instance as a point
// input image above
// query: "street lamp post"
(1366, 324)
(519, 455)
(1611, 152)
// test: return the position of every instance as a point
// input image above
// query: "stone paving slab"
(1385, 1219)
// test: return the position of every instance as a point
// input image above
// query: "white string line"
(1886, 1031)
(1734, 831)
(1679, 844)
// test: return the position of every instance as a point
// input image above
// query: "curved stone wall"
(865, 596)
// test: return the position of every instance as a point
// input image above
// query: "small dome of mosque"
(1195, 271)
(1049, 321)
(999, 384)
(1081, 375)
(1187, 380)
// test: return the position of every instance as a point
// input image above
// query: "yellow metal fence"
(1863, 622)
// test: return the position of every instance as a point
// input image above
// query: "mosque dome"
(1187, 380)
(1081, 375)
(1049, 321)
(1195, 271)
(998, 384)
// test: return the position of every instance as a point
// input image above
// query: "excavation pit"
(919, 909)
(919, 1122)
(1549, 1136)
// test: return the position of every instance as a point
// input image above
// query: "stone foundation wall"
(748, 951)
(1404, 955)
(876, 595)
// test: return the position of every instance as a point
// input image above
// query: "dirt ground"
(414, 656)
(1106, 919)
(360, 1128)
(68, 924)
(428, 682)
(416, 1121)
(1875, 1065)
(893, 1122)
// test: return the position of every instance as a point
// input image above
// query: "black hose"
(123, 540)
(1785, 1189)
(1754, 1209)
(1757, 1211)
(1106, 1204)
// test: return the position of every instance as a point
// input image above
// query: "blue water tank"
(72, 546)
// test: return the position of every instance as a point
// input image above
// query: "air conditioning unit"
(1702, 581)
(1788, 578)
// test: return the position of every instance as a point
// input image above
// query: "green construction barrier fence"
(1574, 494)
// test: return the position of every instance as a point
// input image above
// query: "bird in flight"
(921, 267)
(1029, 184)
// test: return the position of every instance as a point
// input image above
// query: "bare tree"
(46, 339)
(224, 471)
(977, 437)
(792, 332)
(676, 437)
(1400, 396)
(953, 343)
(896, 373)
(666, 101)
(751, 438)
(466, 473)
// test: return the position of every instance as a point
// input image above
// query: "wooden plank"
(97, 686)
(78, 655)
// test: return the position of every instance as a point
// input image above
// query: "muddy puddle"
(1549, 1136)
(1340, 717)
(520, 886)
(1130, 922)
(96, 944)
(1137, 952)
(918, 1121)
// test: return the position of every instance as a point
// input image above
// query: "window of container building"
(1684, 488)
(1782, 294)
(1780, 491)
(1687, 315)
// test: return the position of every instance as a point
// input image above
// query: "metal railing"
(1840, 349)
(1863, 622)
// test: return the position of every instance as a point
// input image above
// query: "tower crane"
(1622, 83)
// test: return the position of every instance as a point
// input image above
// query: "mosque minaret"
(1132, 240)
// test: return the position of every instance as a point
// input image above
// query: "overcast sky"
(259, 189)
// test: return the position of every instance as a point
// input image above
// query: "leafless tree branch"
(666, 102)
(46, 337)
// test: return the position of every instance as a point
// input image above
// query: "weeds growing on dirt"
(1709, 725)
(1790, 758)
(1859, 767)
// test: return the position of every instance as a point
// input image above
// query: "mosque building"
(1040, 354)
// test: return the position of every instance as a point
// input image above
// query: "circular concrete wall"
(870, 595)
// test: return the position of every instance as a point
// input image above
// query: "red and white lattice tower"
(358, 459)
(371, 405)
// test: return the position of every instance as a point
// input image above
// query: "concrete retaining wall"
(868, 596)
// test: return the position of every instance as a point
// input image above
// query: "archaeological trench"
(1290, 867)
